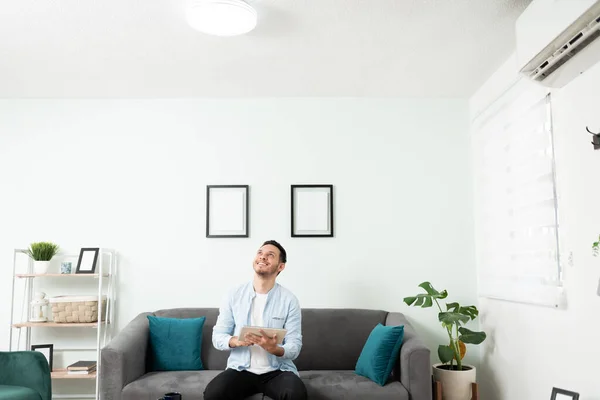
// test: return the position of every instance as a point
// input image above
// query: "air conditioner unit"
(557, 40)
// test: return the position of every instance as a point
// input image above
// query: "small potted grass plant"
(41, 253)
(596, 247)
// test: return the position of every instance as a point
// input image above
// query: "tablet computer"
(270, 331)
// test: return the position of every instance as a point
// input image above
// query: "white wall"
(531, 349)
(131, 175)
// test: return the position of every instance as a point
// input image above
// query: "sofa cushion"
(8, 392)
(340, 334)
(347, 385)
(211, 357)
(190, 384)
(175, 344)
(380, 353)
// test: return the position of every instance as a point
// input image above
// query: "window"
(515, 199)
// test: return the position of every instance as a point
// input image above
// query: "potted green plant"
(596, 247)
(41, 253)
(455, 377)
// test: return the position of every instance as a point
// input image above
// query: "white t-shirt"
(259, 360)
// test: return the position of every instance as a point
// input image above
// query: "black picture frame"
(49, 352)
(324, 226)
(222, 212)
(556, 391)
(85, 265)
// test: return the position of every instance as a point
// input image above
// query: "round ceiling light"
(222, 17)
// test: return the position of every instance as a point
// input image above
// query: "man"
(257, 364)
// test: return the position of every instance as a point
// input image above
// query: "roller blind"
(515, 199)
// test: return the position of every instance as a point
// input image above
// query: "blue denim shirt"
(282, 310)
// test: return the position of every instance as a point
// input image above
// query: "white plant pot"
(456, 385)
(40, 267)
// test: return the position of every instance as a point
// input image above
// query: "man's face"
(266, 262)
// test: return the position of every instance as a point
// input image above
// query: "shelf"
(56, 324)
(62, 374)
(100, 283)
(61, 275)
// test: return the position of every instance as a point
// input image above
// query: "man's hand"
(235, 342)
(266, 342)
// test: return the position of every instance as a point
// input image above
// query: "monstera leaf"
(469, 311)
(468, 336)
(445, 353)
(448, 319)
(462, 348)
(425, 300)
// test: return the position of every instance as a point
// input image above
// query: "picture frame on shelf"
(227, 211)
(312, 211)
(88, 258)
(47, 350)
(562, 394)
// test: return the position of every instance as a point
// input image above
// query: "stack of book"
(82, 368)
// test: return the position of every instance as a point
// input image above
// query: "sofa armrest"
(123, 360)
(26, 369)
(415, 360)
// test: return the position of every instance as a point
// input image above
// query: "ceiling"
(145, 49)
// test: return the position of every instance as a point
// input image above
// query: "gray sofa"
(332, 342)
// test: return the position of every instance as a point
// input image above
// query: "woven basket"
(76, 309)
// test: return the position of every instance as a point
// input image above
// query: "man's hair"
(282, 253)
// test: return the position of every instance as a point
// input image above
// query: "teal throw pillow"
(175, 343)
(379, 353)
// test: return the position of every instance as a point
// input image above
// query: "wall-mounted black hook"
(595, 138)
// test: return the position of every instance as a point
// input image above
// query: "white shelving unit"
(106, 272)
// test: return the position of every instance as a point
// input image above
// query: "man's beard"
(266, 274)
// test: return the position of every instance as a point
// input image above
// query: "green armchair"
(24, 375)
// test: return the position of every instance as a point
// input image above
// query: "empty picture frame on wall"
(312, 210)
(227, 209)
(562, 394)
